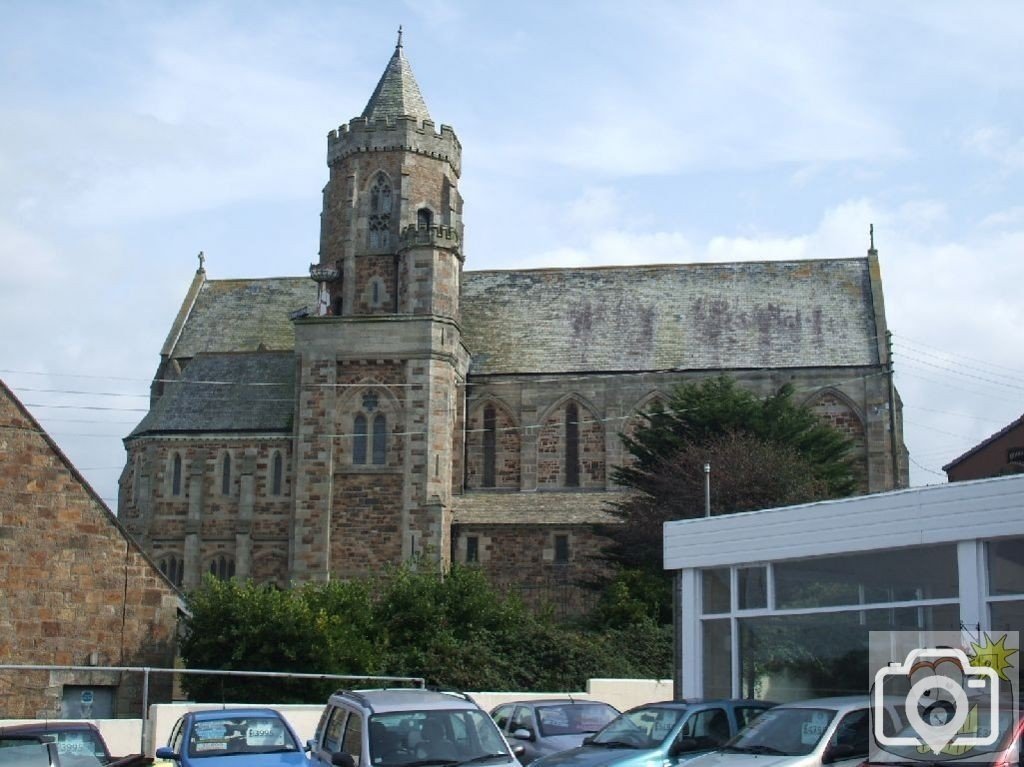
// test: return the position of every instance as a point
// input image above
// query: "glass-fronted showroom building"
(779, 603)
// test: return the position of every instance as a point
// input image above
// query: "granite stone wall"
(77, 590)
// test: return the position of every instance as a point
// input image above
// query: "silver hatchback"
(406, 728)
(550, 725)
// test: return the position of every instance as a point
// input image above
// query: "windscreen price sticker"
(811, 732)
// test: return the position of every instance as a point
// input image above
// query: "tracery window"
(359, 439)
(176, 474)
(370, 432)
(276, 473)
(225, 474)
(380, 212)
(490, 447)
(380, 440)
(173, 568)
(222, 567)
(572, 445)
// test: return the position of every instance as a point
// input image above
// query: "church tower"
(381, 364)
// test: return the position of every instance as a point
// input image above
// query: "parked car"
(387, 728)
(660, 733)
(73, 739)
(1007, 751)
(18, 750)
(221, 736)
(550, 725)
(810, 733)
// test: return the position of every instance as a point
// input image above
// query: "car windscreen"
(77, 743)
(644, 727)
(435, 736)
(23, 752)
(573, 718)
(254, 734)
(788, 731)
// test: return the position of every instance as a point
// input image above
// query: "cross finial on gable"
(399, 44)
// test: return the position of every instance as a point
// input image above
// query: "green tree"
(319, 628)
(454, 630)
(763, 453)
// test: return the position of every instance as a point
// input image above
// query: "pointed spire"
(397, 93)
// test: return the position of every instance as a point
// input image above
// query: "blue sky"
(136, 134)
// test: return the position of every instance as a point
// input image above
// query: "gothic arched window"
(176, 474)
(222, 567)
(379, 222)
(490, 446)
(173, 568)
(380, 440)
(380, 195)
(359, 439)
(276, 473)
(424, 218)
(572, 445)
(225, 474)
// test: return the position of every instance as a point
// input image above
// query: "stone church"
(393, 405)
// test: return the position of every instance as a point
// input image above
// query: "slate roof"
(690, 316)
(540, 508)
(984, 443)
(683, 316)
(242, 315)
(397, 93)
(227, 393)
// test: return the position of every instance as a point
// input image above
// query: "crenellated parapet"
(446, 237)
(401, 134)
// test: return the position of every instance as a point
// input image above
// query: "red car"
(76, 742)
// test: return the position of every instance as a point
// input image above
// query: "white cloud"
(999, 145)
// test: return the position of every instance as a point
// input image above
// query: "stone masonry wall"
(249, 508)
(521, 559)
(74, 583)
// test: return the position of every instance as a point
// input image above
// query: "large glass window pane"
(717, 658)
(752, 585)
(1008, 616)
(715, 590)
(789, 657)
(904, 575)
(1006, 567)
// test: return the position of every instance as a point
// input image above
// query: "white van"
(811, 733)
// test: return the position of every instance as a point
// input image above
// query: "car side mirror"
(590, 739)
(343, 759)
(837, 752)
(522, 734)
(166, 752)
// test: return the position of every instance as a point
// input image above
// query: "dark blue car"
(253, 737)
